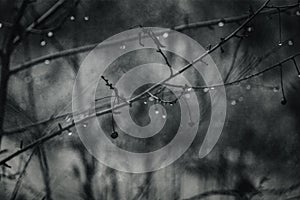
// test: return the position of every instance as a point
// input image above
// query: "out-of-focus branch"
(232, 193)
(5, 62)
(22, 174)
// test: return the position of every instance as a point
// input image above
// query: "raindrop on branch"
(47, 62)
(205, 90)
(221, 23)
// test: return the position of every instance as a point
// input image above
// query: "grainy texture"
(43, 44)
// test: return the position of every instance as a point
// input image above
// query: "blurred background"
(257, 156)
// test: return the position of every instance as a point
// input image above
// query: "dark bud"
(114, 135)
(283, 101)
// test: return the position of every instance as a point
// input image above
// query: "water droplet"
(290, 43)
(298, 75)
(275, 89)
(212, 88)
(47, 62)
(249, 29)
(145, 102)
(151, 99)
(157, 112)
(279, 43)
(248, 87)
(72, 18)
(84, 125)
(122, 47)
(50, 34)
(43, 43)
(298, 12)
(221, 24)
(164, 116)
(205, 90)
(165, 35)
(86, 18)
(70, 133)
(189, 89)
(1, 25)
(233, 102)
(241, 99)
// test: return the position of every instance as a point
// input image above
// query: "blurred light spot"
(275, 89)
(72, 18)
(290, 43)
(50, 34)
(205, 90)
(249, 29)
(165, 35)
(164, 116)
(47, 62)
(151, 99)
(233, 102)
(123, 47)
(248, 87)
(86, 18)
(43, 43)
(232, 154)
